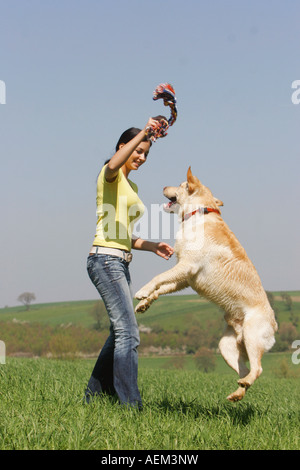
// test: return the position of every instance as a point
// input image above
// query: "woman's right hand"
(151, 124)
(156, 127)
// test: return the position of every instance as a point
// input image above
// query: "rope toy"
(166, 92)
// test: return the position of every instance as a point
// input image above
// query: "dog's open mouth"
(172, 201)
(171, 204)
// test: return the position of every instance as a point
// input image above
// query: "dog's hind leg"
(235, 355)
(233, 352)
(258, 336)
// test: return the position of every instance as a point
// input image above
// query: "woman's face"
(138, 157)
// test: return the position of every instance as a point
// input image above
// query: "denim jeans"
(116, 368)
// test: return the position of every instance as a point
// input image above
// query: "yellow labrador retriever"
(212, 261)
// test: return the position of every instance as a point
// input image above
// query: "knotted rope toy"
(166, 92)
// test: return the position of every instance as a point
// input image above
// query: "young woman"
(118, 208)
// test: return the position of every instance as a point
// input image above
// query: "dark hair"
(130, 133)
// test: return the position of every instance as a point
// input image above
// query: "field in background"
(175, 324)
(170, 311)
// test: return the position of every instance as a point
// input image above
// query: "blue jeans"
(116, 368)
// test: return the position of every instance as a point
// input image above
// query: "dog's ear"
(193, 182)
(219, 202)
(190, 176)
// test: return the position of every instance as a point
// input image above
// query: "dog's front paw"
(141, 294)
(142, 306)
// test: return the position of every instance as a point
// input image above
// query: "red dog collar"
(201, 210)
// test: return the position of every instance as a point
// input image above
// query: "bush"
(62, 346)
(100, 316)
(285, 336)
(205, 360)
(39, 340)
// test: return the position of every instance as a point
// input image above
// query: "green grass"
(41, 400)
(272, 364)
(171, 312)
(56, 313)
(41, 408)
(168, 311)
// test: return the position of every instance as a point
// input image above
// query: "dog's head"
(190, 193)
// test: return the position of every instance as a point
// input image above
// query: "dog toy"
(166, 92)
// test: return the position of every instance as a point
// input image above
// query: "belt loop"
(97, 250)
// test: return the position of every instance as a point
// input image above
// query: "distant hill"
(173, 324)
(171, 312)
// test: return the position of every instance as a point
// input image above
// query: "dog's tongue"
(168, 205)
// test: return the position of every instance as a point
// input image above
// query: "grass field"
(170, 312)
(178, 322)
(41, 408)
(41, 404)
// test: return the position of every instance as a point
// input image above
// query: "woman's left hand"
(163, 249)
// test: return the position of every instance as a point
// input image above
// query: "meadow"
(42, 407)
(41, 395)
(180, 323)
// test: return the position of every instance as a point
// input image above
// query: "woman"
(118, 208)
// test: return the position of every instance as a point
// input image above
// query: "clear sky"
(80, 72)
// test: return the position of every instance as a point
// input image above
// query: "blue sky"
(78, 73)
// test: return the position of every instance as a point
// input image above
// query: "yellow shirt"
(118, 208)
